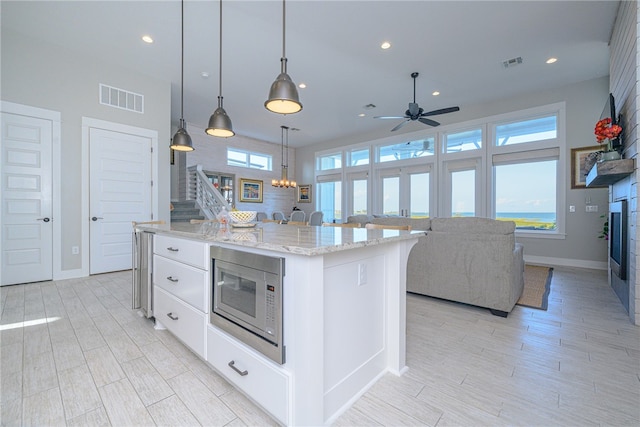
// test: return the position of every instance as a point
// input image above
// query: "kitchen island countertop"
(284, 238)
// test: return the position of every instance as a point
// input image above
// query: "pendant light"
(283, 96)
(219, 122)
(284, 179)
(181, 140)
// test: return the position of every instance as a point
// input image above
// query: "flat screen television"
(609, 110)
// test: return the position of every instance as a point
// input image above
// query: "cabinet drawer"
(187, 251)
(267, 384)
(182, 320)
(185, 282)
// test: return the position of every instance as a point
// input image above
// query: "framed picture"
(582, 160)
(250, 190)
(304, 193)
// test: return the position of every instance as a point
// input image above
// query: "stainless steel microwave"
(247, 299)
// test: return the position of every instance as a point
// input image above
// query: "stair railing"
(209, 198)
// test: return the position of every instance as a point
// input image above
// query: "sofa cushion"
(361, 219)
(415, 223)
(472, 225)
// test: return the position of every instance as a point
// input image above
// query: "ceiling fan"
(416, 113)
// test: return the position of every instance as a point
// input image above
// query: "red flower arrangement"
(605, 130)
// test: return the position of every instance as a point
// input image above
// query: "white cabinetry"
(181, 289)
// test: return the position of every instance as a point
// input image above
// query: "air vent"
(510, 63)
(119, 98)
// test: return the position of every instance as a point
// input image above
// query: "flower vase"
(609, 155)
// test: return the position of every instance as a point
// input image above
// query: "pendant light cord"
(220, 73)
(182, 63)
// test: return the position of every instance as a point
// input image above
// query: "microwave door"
(240, 294)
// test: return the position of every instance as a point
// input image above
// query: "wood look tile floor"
(93, 361)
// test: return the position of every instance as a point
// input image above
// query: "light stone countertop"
(292, 239)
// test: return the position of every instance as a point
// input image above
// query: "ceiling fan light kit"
(181, 141)
(283, 95)
(220, 123)
(414, 112)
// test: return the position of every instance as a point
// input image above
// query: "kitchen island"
(343, 308)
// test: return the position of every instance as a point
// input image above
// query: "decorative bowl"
(242, 217)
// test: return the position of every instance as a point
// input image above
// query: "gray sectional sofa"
(470, 260)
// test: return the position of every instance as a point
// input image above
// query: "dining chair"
(260, 216)
(371, 226)
(298, 216)
(277, 215)
(315, 218)
(344, 224)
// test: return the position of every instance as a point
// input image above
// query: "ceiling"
(334, 48)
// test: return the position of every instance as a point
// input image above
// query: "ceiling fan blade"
(400, 125)
(428, 122)
(390, 117)
(442, 111)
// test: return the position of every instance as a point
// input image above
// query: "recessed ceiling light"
(147, 39)
(385, 45)
(302, 85)
(551, 60)
(435, 93)
(205, 74)
(361, 115)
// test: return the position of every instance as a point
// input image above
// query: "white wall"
(584, 103)
(211, 153)
(51, 77)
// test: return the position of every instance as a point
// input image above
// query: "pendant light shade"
(219, 122)
(181, 140)
(283, 96)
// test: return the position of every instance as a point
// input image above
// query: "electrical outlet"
(572, 208)
(591, 208)
(75, 250)
(362, 274)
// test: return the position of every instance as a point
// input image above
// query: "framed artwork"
(250, 190)
(582, 160)
(304, 193)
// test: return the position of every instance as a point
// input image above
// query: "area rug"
(537, 284)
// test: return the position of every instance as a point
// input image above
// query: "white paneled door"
(27, 229)
(119, 193)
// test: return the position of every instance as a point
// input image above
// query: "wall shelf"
(609, 172)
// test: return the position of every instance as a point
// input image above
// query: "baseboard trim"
(68, 274)
(566, 262)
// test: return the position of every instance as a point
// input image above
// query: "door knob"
(95, 218)
(44, 219)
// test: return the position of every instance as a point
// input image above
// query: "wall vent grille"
(509, 63)
(119, 98)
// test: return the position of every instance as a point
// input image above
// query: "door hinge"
(152, 183)
(152, 149)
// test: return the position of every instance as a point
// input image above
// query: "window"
(526, 194)
(330, 200)
(329, 162)
(247, 159)
(527, 131)
(391, 195)
(406, 150)
(359, 157)
(419, 201)
(463, 197)
(359, 196)
(463, 141)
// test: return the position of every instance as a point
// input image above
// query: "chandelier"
(284, 179)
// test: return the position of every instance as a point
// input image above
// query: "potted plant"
(605, 131)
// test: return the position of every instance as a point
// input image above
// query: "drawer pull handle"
(171, 316)
(232, 365)
(172, 249)
(171, 279)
